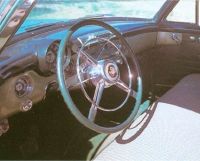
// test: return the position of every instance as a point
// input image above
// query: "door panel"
(174, 61)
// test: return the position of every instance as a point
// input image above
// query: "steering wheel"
(102, 72)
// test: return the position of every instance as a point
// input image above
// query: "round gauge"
(51, 56)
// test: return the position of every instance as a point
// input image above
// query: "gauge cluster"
(48, 65)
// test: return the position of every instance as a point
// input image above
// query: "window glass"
(184, 11)
(72, 9)
(50, 11)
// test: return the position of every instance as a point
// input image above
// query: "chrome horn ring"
(109, 70)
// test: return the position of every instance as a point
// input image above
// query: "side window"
(184, 11)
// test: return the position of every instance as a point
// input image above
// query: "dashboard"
(28, 66)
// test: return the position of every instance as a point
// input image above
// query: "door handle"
(176, 38)
(192, 38)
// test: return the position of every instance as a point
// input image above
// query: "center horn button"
(111, 71)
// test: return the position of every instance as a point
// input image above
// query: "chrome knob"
(26, 105)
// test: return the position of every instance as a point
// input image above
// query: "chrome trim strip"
(8, 12)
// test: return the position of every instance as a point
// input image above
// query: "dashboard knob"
(26, 105)
(19, 86)
(22, 86)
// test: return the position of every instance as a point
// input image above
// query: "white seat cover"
(168, 133)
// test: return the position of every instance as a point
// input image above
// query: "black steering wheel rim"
(65, 43)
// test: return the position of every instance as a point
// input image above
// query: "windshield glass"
(49, 11)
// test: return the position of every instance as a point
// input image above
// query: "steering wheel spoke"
(96, 100)
(89, 57)
(120, 84)
(73, 81)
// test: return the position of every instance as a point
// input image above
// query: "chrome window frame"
(19, 10)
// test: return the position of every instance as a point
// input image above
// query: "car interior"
(51, 79)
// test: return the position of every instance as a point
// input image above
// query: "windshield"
(49, 11)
